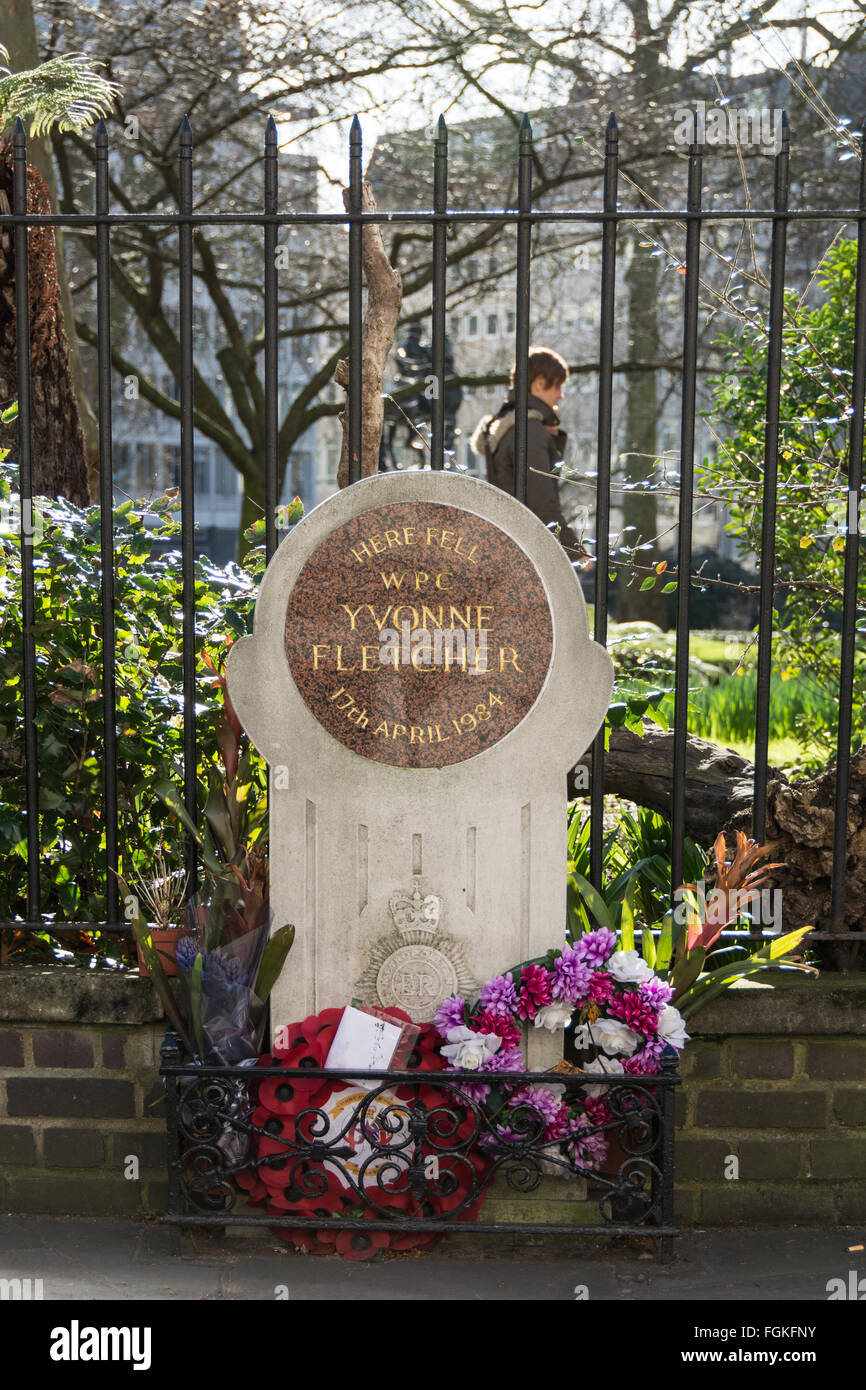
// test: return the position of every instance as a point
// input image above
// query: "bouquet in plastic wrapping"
(228, 962)
(219, 964)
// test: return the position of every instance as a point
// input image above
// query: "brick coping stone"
(827, 1004)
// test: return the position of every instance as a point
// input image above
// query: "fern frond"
(65, 93)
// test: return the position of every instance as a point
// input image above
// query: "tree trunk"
(384, 297)
(57, 447)
(718, 781)
(800, 822)
(18, 27)
(639, 509)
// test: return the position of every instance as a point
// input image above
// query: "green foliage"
(635, 903)
(69, 719)
(66, 93)
(636, 858)
(725, 711)
(815, 410)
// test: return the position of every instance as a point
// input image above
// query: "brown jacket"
(543, 450)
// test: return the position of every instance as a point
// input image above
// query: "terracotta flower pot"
(165, 941)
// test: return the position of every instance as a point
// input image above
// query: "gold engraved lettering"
(509, 660)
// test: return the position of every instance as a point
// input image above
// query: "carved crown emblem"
(414, 912)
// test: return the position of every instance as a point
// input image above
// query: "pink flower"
(490, 1022)
(630, 1008)
(587, 1150)
(535, 991)
(600, 988)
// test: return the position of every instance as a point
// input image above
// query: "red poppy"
(361, 1245)
(315, 1242)
(280, 1113)
(249, 1181)
(329, 1202)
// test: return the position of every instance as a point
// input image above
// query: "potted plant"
(163, 893)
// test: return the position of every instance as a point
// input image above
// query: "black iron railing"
(429, 1161)
(609, 217)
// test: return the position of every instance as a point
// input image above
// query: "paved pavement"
(127, 1260)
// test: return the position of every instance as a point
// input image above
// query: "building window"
(122, 465)
(472, 326)
(227, 478)
(201, 457)
(170, 468)
(472, 269)
(492, 266)
(510, 321)
(492, 325)
(454, 328)
(332, 459)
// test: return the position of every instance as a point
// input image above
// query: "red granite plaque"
(419, 634)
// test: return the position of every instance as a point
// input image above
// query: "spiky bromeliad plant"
(678, 946)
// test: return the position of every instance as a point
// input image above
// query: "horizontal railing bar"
(416, 1077)
(127, 929)
(88, 927)
(453, 1224)
(336, 219)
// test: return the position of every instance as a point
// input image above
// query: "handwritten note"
(364, 1041)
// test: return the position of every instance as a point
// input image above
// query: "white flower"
(608, 1034)
(630, 968)
(554, 1016)
(603, 1066)
(672, 1027)
(467, 1050)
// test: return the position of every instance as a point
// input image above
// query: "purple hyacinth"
(571, 977)
(450, 1014)
(186, 952)
(223, 975)
(594, 947)
(656, 994)
(499, 995)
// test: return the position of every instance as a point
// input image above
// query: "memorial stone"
(420, 679)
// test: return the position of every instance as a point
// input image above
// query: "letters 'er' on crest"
(421, 674)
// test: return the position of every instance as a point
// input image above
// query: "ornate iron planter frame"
(211, 1138)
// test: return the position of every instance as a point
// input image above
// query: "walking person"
(493, 440)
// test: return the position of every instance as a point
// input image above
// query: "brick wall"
(80, 1095)
(775, 1077)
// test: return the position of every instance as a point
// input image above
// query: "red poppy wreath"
(375, 1150)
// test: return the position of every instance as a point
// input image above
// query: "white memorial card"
(365, 1041)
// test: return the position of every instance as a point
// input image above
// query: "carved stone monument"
(420, 679)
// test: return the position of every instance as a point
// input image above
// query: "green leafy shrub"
(69, 714)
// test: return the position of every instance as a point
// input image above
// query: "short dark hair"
(544, 363)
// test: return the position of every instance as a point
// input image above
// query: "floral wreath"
(621, 1012)
(285, 1113)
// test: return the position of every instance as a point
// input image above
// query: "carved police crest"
(416, 965)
